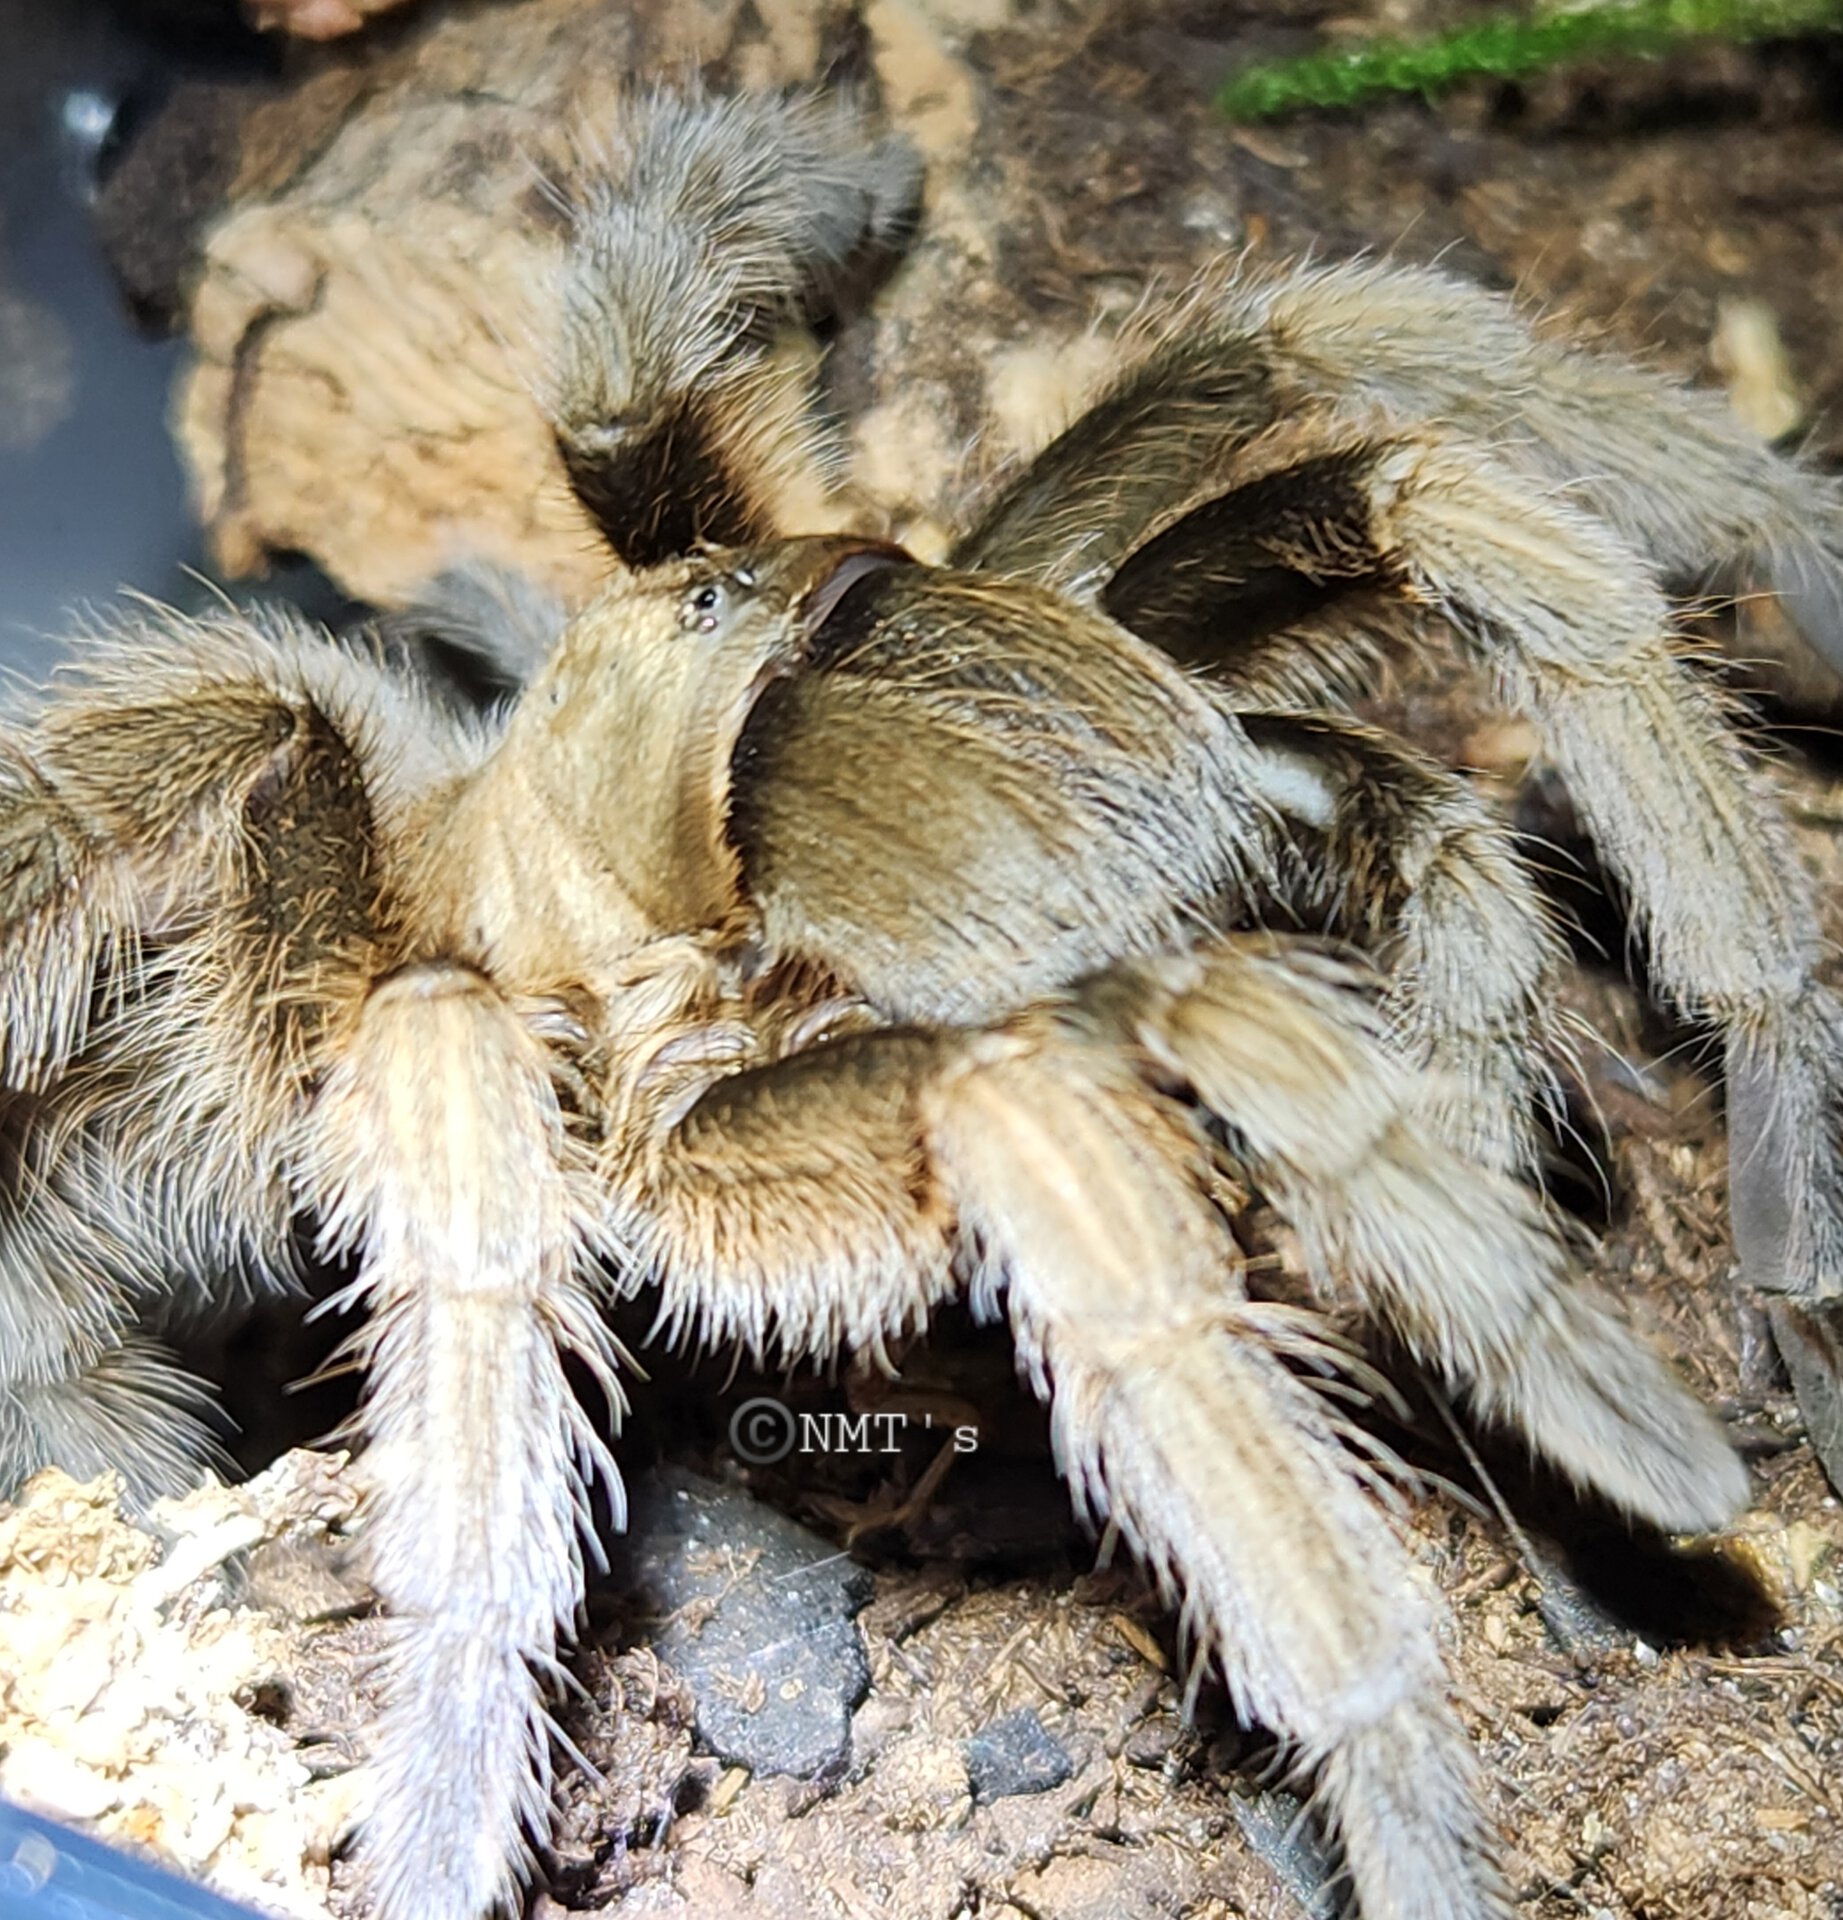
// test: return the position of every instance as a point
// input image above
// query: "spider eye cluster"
(704, 608)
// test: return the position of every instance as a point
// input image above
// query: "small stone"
(1015, 1755)
(1276, 1827)
(758, 1619)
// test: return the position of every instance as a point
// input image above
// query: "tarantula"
(819, 934)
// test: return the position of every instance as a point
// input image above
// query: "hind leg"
(1575, 635)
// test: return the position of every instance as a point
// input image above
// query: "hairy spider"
(818, 935)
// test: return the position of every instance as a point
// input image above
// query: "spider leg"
(823, 1198)
(1363, 345)
(80, 1387)
(202, 866)
(1164, 433)
(828, 1198)
(62, 902)
(1395, 852)
(716, 220)
(439, 1149)
(1173, 1417)
(1672, 469)
(1569, 621)
(168, 779)
(1576, 635)
(75, 1388)
(1455, 1261)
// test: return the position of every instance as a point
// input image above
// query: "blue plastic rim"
(50, 1872)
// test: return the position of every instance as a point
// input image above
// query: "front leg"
(439, 1153)
(834, 1197)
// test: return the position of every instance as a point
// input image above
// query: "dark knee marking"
(1253, 561)
(668, 489)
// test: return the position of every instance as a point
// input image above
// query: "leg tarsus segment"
(1785, 1145)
